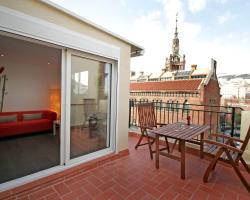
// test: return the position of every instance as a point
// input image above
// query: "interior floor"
(27, 154)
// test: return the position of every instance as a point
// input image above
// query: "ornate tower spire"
(175, 62)
(175, 45)
(176, 31)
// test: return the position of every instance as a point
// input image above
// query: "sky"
(218, 29)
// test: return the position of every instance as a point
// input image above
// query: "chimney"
(193, 67)
(173, 76)
(132, 73)
(213, 65)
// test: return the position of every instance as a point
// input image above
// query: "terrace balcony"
(132, 174)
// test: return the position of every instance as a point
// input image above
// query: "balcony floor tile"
(135, 177)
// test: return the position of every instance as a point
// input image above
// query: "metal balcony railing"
(221, 119)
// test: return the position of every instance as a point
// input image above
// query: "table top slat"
(202, 129)
(181, 130)
(187, 132)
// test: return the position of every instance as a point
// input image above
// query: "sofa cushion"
(32, 116)
(15, 128)
(8, 118)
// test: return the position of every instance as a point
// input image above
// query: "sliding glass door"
(54, 108)
(89, 106)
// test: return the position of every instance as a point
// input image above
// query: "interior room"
(30, 107)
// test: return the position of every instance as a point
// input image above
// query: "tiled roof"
(177, 85)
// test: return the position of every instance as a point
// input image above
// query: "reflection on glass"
(80, 83)
(90, 90)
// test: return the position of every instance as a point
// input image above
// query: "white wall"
(28, 86)
(29, 83)
(30, 77)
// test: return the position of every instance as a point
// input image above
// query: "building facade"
(176, 86)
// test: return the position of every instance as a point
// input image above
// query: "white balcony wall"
(245, 123)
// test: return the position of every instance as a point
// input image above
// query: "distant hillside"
(233, 76)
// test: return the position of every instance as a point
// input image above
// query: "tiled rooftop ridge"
(176, 85)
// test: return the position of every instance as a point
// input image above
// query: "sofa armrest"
(50, 115)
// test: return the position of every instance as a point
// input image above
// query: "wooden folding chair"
(147, 122)
(229, 151)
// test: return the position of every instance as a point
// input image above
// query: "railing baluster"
(160, 111)
(198, 117)
(177, 113)
(164, 116)
(172, 111)
(132, 117)
(204, 118)
(135, 109)
(168, 111)
(192, 118)
(210, 120)
(217, 124)
(233, 118)
(129, 113)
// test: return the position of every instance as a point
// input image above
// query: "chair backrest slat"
(146, 115)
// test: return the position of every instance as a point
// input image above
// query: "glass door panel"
(90, 97)
(30, 108)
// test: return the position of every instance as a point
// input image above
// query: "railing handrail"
(230, 107)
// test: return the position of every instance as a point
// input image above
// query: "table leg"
(182, 146)
(202, 145)
(157, 151)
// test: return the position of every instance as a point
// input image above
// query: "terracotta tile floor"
(134, 177)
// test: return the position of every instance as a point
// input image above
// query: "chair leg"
(150, 148)
(245, 164)
(167, 145)
(139, 142)
(236, 169)
(211, 165)
(214, 165)
(172, 149)
(153, 141)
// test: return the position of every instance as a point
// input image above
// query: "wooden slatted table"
(184, 133)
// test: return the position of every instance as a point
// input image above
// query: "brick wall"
(212, 97)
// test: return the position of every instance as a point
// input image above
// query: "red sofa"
(26, 126)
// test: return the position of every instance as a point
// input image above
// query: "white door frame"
(111, 108)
